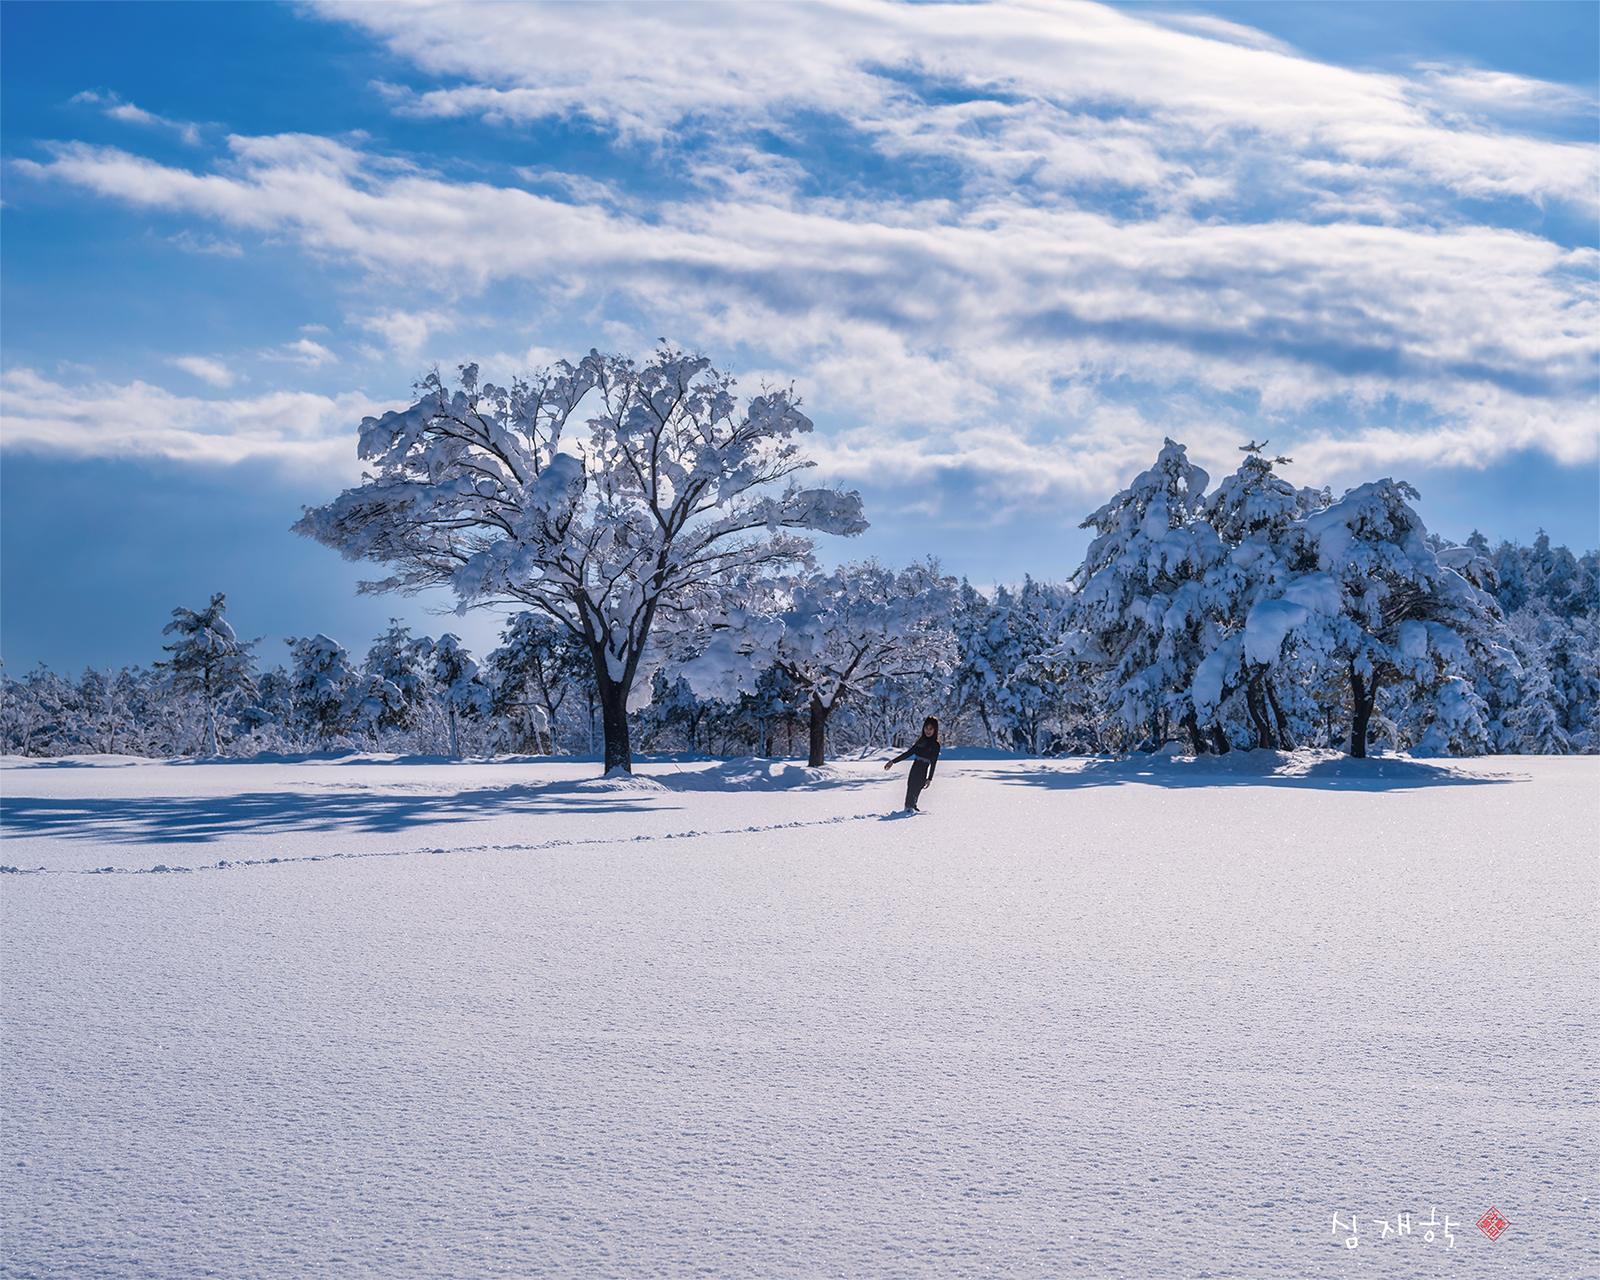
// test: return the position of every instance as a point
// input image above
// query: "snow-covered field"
(1146, 1018)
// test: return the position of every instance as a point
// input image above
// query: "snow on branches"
(632, 522)
(1190, 607)
(830, 634)
(209, 660)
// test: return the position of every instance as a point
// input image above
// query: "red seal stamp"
(1492, 1224)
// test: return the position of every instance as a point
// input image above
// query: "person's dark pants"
(915, 783)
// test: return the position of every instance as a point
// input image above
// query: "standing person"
(924, 754)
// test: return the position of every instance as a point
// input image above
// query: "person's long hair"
(934, 721)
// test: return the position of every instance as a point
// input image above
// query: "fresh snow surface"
(1143, 1018)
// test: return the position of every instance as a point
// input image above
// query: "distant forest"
(996, 668)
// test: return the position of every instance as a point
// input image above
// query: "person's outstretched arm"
(898, 758)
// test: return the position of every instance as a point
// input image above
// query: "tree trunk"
(211, 717)
(550, 721)
(1364, 696)
(1255, 702)
(1285, 738)
(614, 721)
(819, 724)
(1191, 725)
(1219, 735)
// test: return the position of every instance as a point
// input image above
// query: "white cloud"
(1503, 91)
(127, 113)
(1063, 91)
(191, 243)
(1215, 28)
(306, 353)
(934, 315)
(296, 430)
(1134, 226)
(407, 332)
(213, 371)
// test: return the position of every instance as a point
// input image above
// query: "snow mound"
(756, 774)
(619, 779)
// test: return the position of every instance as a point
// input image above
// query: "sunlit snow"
(1147, 1018)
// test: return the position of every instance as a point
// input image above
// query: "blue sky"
(1002, 250)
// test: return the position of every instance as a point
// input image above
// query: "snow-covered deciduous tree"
(209, 660)
(611, 535)
(831, 634)
(34, 711)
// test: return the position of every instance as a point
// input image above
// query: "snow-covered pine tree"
(323, 683)
(392, 690)
(1574, 657)
(401, 659)
(1371, 595)
(1537, 718)
(674, 707)
(612, 535)
(830, 634)
(1238, 616)
(210, 661)
(460, 688)
(1139, 609)
(997, 642)
(270, 715)
(534, 671)
(1567, 653)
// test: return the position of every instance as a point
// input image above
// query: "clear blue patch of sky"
(240, 68)
(1557, 40)
(99, 284)
(96, 554)
(1513, 500)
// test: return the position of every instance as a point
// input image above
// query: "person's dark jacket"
(925, 749)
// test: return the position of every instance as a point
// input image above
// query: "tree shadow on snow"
(1252, 769)
(200, 819)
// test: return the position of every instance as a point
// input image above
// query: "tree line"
(666, 596)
